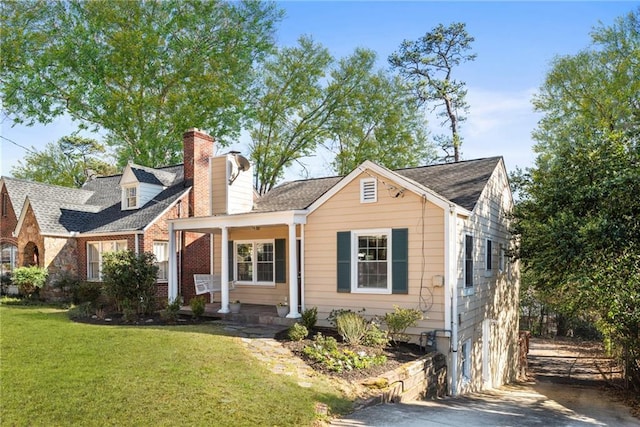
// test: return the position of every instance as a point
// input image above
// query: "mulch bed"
(396, 355)
(144, 320)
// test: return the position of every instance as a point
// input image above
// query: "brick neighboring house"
(66, 230)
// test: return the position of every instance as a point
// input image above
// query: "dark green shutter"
(231, 257)
(400, 260)
(281, 261)
(344, 261)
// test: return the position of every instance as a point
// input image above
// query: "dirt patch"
(581, 368)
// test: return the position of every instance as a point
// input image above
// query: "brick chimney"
(198, 150)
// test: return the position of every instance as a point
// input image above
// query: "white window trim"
(254, 261)
(166, 243)
(101, 252)
(354, 261)
(125, 196)
(501, 258)
(363, 184)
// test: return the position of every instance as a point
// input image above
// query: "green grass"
(55, 372)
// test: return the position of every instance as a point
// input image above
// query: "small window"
(371, 256)
(9, 258)
(368, 190)
(161, 252)
(465, 354)
(489, 255)
(95, 251)
(255, 262)
(131, 197)
(468, 261)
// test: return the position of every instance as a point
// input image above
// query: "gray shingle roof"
(153, 176)
(294, 195)
(461, 183)
(19, 189)
(94, 208)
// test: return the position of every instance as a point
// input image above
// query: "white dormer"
(139, 185)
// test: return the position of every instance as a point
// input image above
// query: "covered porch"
(250, 314)
(272, 273)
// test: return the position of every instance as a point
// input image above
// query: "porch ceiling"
(210, 224)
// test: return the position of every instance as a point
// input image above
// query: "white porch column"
(172, 286)
(293, 274)
(224, 271)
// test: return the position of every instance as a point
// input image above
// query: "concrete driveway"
(514, 405)
(563, 394)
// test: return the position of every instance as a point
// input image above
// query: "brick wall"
(198, 150)
(9, 221)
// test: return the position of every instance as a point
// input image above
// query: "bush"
(351, 327)
(197, 306)
(170, 314)
(86, 292)
(401, 319)
(81, 311)
(66, 282)
(375, 337)
(326, 351)
(297, 332)
(309, 318)
(5, 282)
(333, 315)
(130, 279)
(29, 279)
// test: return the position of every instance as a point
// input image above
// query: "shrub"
(66, 282)
(375, 337)
(197, 306)
(29, 279)
(81, 311)
(333, 315)
(297, 332)
(326, 352)
(309, 318)
(170, 314)
(131, 278)
(351, 327)
(86, 292)
(5, 282)
(401, 319)
(129, 313)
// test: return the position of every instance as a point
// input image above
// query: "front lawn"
(57, 372)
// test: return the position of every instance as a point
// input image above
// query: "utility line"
(16, 144)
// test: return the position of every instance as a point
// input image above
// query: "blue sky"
(515, 43)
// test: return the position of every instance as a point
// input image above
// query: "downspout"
(453, 287)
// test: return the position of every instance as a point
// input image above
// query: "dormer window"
(130, 197)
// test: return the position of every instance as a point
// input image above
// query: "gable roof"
(461, 183)
(153, 176)
(94, 208)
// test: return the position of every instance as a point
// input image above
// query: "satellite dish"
(240, 164)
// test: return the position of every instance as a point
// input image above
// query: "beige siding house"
(433, 238)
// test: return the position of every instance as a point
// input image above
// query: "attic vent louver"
(368, 190)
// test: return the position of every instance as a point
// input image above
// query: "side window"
(161, 252)
(468, 261)
(488, 255)
(465, 354)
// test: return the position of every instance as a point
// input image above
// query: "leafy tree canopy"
(307, 98)
(579, 216)
(142, 71)
(70, 162)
